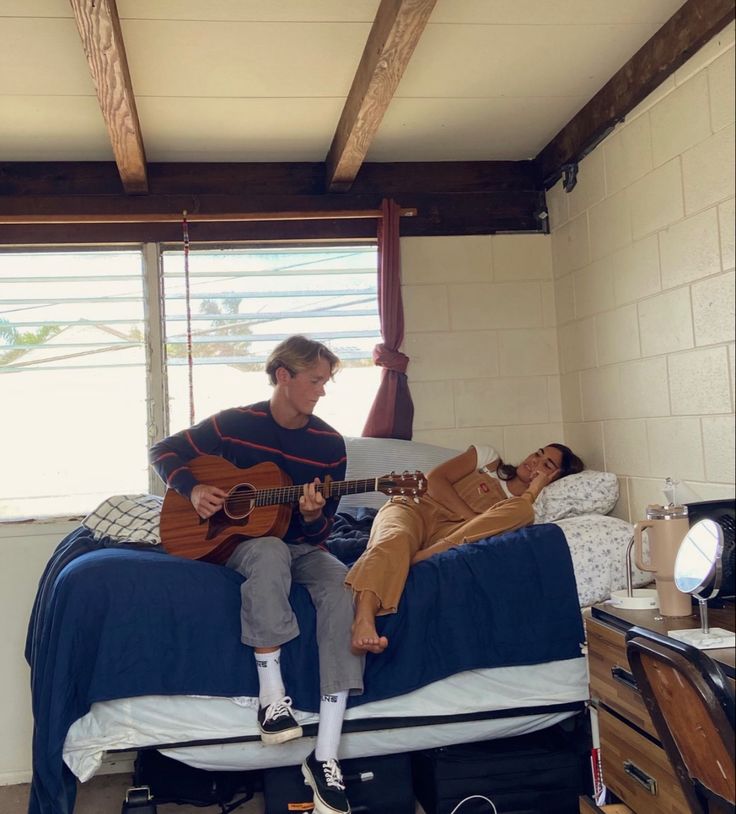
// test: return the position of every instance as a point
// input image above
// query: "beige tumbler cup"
(666, 527)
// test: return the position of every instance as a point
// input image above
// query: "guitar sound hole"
(239, 503)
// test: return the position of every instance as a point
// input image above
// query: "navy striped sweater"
(247, 436)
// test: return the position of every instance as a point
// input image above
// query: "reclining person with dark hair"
(470, 497)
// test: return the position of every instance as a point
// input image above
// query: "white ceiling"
(266, 80)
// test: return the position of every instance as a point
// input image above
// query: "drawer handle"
(649, 783)
(624, 677)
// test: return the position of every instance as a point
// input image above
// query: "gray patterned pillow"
(127, 519)
(588, 492)
(369, 457)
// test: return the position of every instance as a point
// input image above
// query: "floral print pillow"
(588, 492)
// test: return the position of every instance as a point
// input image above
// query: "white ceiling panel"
(250, 10)
(555, 12)
(469, 129)
(42, 56)
(243, 59)
(246, 129)
(484, 61)
(72, 124)
(35, 8)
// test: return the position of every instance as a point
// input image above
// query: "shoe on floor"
(325, 778)
(277, 723)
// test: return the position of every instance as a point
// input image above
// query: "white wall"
(643, 252)
(26, 548)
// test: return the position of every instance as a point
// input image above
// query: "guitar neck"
(335, 488)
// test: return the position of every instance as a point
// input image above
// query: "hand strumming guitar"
(207, 499)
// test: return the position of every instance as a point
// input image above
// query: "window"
(77, 386)
(243, 302)
(73, 380)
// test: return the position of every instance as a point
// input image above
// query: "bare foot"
(366, 638)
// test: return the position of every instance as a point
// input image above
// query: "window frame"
(156, 379)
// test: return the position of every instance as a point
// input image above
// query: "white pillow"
(588, 492)
(127, 519)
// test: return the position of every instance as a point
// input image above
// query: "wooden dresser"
(635, 767)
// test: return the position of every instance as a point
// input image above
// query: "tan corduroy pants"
(403, 527)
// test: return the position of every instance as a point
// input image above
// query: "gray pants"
(267, 619)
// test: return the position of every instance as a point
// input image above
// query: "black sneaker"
(277, 722)
(325, 778)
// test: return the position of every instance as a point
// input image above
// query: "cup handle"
(638, 554)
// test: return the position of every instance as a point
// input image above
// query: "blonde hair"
(297, 353)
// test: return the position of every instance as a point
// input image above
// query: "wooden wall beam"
(452, 198)
(692, 25)
(152, 208)
(479, 213)
(394, 35)
(77, 234)
(389, 179)
(99, 27)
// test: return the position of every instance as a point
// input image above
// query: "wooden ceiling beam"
(394, 35)
(99, 28)
(689, 28)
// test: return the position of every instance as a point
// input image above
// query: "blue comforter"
(118, 621)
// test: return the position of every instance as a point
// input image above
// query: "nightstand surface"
(718, 617)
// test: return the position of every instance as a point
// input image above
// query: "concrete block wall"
(481, 336)
(643, 265)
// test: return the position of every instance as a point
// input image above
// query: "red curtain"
(392, 413)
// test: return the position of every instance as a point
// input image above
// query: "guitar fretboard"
(291, 494)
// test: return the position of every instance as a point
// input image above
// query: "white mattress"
(255, 755)
(131, 723)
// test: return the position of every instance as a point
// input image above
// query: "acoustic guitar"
(259, 503)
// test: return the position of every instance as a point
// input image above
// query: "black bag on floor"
(374, 785)
(539, 773)
(171, 781)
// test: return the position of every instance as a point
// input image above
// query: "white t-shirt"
(486, 455)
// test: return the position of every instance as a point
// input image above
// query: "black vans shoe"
(325, 778)
(277, 722)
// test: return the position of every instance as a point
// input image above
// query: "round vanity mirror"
(699, 558)
(697, 568)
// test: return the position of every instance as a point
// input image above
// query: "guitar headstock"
(411, 484)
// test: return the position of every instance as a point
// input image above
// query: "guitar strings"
(291, 494)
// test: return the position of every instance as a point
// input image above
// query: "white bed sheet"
(131, 723)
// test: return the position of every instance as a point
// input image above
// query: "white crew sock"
(270, 683)
(331, 714)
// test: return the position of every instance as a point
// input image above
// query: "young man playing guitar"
(284, 431)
